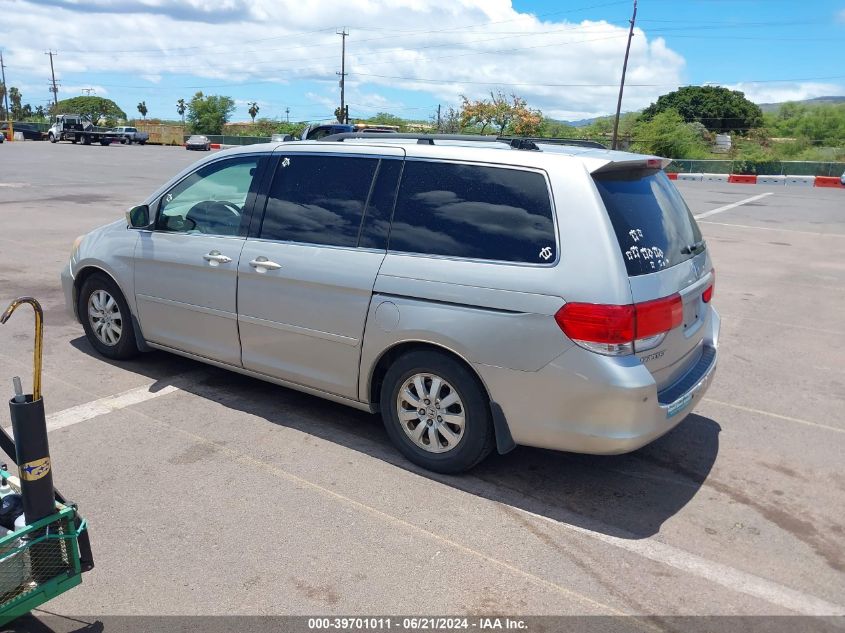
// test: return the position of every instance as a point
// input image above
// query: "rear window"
(474, 211)
(653, 224)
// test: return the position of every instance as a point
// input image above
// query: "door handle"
(216, 257)
(262, 262)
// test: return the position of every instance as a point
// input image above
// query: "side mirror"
(138, 217)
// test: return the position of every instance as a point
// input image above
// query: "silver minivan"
(479, 295)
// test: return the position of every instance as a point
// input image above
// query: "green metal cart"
(39, 561)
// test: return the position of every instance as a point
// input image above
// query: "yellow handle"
(39, 339)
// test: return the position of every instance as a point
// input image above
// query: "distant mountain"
(774, 107)
(580, 122)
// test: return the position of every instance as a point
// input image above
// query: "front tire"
(436, 412)
(52, 138)
(106, 318)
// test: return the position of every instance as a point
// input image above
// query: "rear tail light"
(613, 329)
(708, 294)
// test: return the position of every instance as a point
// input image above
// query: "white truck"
(129, 135)
(78, 129)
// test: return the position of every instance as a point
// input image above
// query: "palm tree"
(142, 108)
(253, 110)
(180, 108)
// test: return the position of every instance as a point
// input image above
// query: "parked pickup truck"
(129, 135)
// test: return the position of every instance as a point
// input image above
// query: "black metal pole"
(86, 556)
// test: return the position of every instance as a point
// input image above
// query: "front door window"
(211, 200)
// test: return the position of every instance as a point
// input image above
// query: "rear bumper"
(587, 403)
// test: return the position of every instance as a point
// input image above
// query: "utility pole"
(287, 115)
(88, 91)
(622, 83)
(342, 74)
(5, 87)
(53, 88)
(438, 117)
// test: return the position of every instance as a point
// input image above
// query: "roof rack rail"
(530, 142)
(516, 142)
(422, 139)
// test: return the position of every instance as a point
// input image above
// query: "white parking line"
(770, 228)
(733, 205)
(739, 407)
(724, 575)
(102, 406)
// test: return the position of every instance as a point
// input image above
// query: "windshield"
(653, 224)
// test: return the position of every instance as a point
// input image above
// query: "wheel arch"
(83, 274)
(504, 440)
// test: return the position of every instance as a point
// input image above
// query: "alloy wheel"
(104, 317)
(431, 412)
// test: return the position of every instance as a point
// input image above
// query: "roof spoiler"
(635, 161)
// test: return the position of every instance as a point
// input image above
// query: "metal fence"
(227, 139)
(761, 168)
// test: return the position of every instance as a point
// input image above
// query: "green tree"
(142, 108)
(253, 110)
(3, 114)
(667, 134)
(550, 128)
(95, 108)
(181, 108)
(39, 112)
(718, 108)
(208, 114)
(450, 121)
(476, 114)
(15, 103)
(385, 118)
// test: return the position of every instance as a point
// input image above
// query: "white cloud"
(441, 48)
(787, 91)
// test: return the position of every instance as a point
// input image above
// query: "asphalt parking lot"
(212, 493)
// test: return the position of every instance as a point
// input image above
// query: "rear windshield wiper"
(693, 249)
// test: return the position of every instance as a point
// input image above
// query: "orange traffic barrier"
(828, 181)
(743, 179)
(672, 176)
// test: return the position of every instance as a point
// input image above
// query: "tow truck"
(79, 129)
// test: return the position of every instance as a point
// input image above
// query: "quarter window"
(475, 212)
(318, 199)
(211, 200)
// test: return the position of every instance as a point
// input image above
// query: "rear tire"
(106, 318)
(447, 439)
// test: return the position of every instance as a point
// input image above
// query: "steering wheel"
(209, 215)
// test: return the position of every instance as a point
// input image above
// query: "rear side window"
(653, 224)
(475, 212)
(318, 199)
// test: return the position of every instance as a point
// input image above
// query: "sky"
(407, 56)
